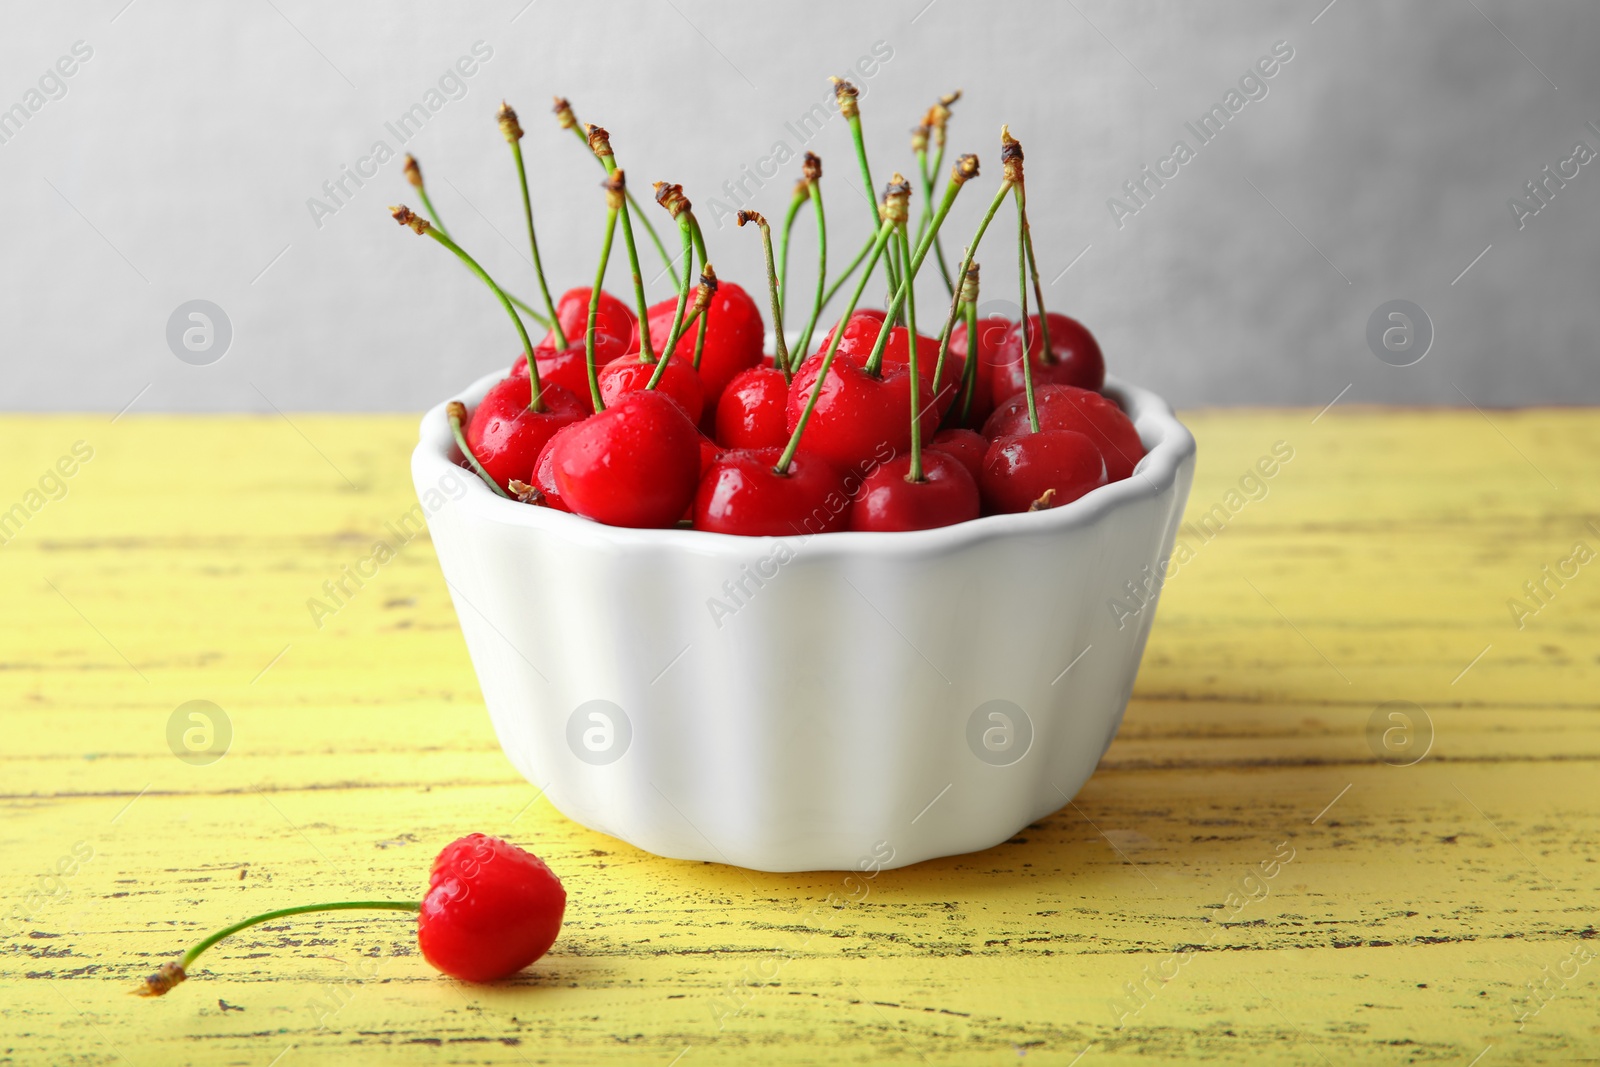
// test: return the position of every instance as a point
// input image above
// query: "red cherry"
(616, 329)
(858, 418)
(506, 437)
(992, 330)
(867, 314)
(1044, 470)
(624, 377)
(1077, 358)
(734, 336)
(946, 495)
(568, 368)
(861, 333)
(742, 494)
(634, 464)
(751, 411)
(1066, 407)
(968, 446)
(544, 470)
(491, 909)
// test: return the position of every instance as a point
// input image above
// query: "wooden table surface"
(1257, 872)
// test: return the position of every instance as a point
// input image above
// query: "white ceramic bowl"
(844, 701)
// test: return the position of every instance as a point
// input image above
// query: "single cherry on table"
(491, 909)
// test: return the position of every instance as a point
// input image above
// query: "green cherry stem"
(702, 308)
(878, 242)
(615, 189)
(966, 265)
(670, 196)
(915, 473)
(170, 974)
(599, 142)
(850, 108)
(848, 271)
(780, 350)
(802, 193)
(965, 169)
(513, 134)
(969, 311)
(1022, 279)
(1048, 355)
(822, 269)
(456, 411)
(569, 121)
(406, 217)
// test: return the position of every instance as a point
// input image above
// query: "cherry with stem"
(599, 142)
(813, 178)
(569, 121)
(512, 130)
(457, 413)
(616, 187)
(879, 241)
(421, 226)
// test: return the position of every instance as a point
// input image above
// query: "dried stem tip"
(413, 172)
(706, 289)
(751, 216)
(165, 977)
(406, 217)
(616, 187)
(846, 94)
(564, 115)
(456, 411)
(671, 197)
(938, 116)
(919, 138)
(811, 167)
(599, 141)
(969, 285)
(965, 170)
(896, 197)
(508, 122)
(1010, 156)
(524, 492)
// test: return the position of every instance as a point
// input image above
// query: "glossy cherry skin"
(1019, 471)
(861, 333)
(491, 909)
(568, 368)
(992, 330)
(634, 464)
(1077, 358)
(751, 411)
(874, 314)
(887, 501)
(734, 336)
(858, 418)
(742, 494)
(1066, 407)
(624, 377)
(616, 328)
(506, 437)
(544, 470)
(968, 446)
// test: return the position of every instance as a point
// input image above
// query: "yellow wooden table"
(1351, 817)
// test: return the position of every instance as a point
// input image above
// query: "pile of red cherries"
(861, 432)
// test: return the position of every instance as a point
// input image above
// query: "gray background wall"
(177, 161)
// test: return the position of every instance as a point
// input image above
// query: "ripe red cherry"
(742, 494)
(734, 336)
(491, 909)
(858, 418)
(861, 333)
(634, 464)
(1077, 358)
(624, 377)
(568, 368)
(946, 495)
(751, 411)
(506, 437)
(992, 330)
(616, 328)
(1066, 407)
(872, 314)
(1043, 470)
(968, 446)
(544, 470)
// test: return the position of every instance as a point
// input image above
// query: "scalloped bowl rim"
(1153, 476)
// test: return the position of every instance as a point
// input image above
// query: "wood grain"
(1139, 923)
